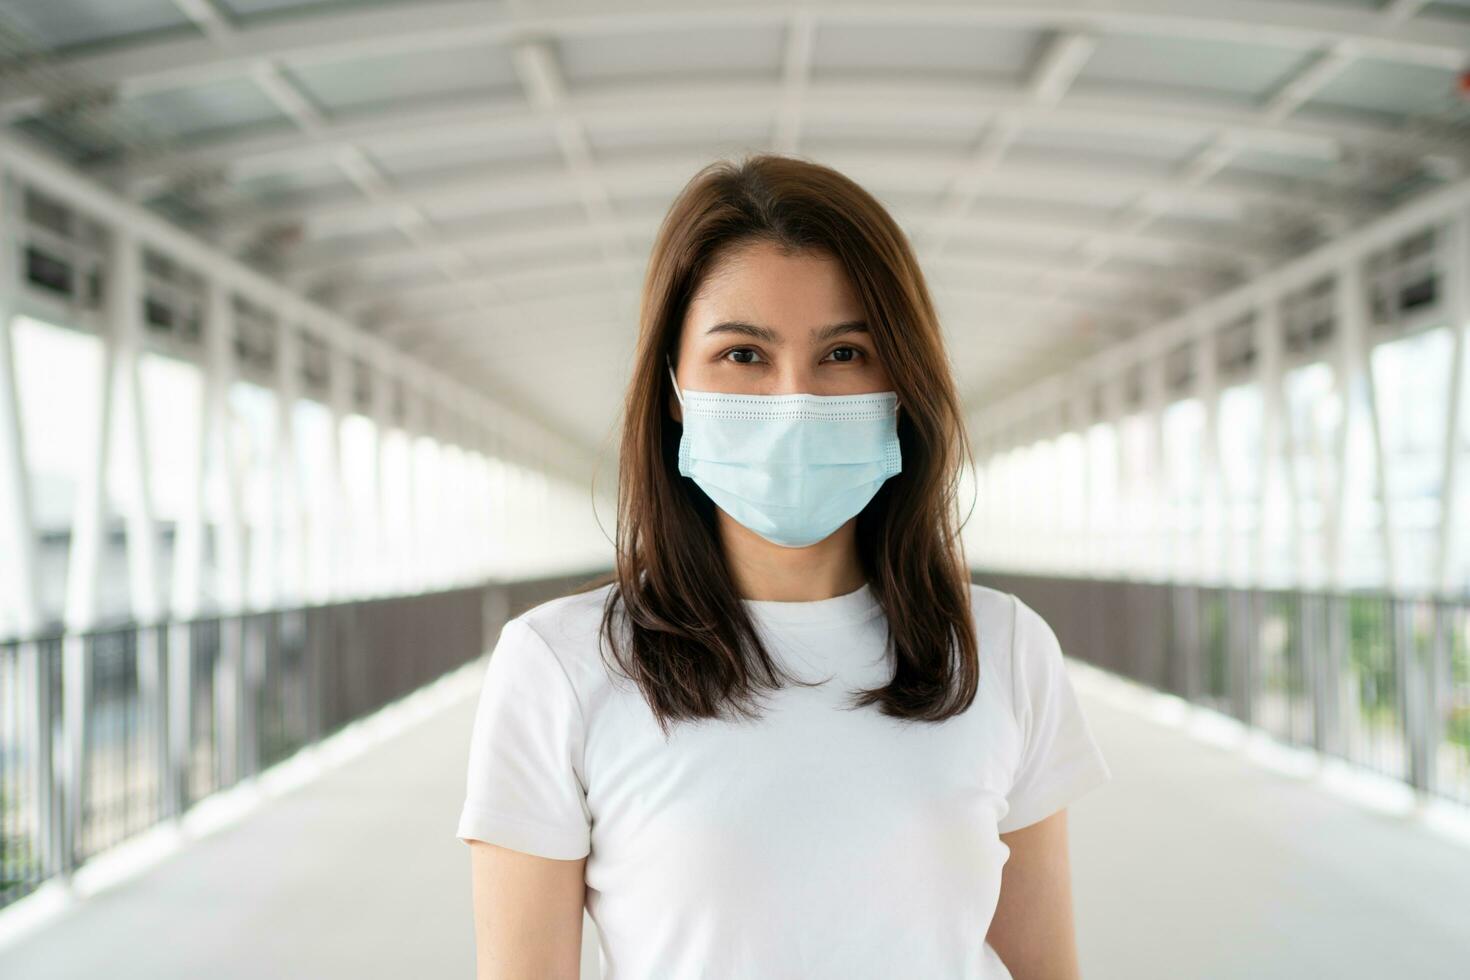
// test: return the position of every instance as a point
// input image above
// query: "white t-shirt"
(816, 843)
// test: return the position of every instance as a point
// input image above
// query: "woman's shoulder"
(995, 613)
(568, 620)
(570, 626)
(1008, 631)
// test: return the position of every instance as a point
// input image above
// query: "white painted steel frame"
(1328, 38)
(76, 189)
(1349, 356)
(121, 427)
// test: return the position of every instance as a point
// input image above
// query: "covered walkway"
(316, 317)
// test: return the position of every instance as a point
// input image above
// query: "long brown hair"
(686, 639)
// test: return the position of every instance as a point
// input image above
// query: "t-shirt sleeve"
(1060, 759)
(525, 789)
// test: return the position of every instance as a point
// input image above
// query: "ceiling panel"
(200, 110)
(62, 24)
(1248, 71)
(1393, 89)
(470, 147)
(889, 46)
(590, 60)
(390, 79)
(246, 10)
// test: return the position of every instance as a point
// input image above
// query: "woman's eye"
(747, 355)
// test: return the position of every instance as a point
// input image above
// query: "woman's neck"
(762, 570)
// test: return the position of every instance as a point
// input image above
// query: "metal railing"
(1380, 681)
(165, 715)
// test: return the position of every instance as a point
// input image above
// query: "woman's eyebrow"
(770, 336)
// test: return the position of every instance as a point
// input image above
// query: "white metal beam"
(89, 526)
(1332, 56)
(1456, 277)
(344, 33)
(796, 71)
(887, 169)
(125, 286)
(333, 267)
(1225, 308)
(43, 171)
(1049, 80)
(1268, 343)
(291, 529)
(1212, 526)
(541, 77)
(18, 543)
(658, 107)
(219, 374)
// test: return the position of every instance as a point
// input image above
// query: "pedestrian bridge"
(316, 318)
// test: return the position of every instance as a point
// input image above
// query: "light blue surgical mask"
(792, 468)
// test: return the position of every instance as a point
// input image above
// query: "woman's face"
(767, 323)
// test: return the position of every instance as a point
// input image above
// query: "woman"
(788, 737)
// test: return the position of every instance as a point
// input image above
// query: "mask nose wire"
(675, 380)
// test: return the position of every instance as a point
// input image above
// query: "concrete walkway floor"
(1194, 864)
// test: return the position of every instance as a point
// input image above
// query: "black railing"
(168, 714)
(1380, 681)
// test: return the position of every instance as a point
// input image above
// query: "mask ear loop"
(675, 380)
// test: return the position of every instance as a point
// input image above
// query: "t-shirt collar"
(851, 607)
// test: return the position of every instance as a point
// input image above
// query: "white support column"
(469, 509)
(496, 491)
(1212, 495)
(541, 509)
(88, 538)
(291, 529)
(219, 376)
(89, 520)
(1268, 377)
(126, 315)
(426, 473)
(411, 562)
(1290, 450)
(19, 558)
(1456, 273)
(340, 582)
(1161, 501)
(451, 473)
(186, 587)
(1335, 492)
(231, 591)
(1117, 551)
(1053, 519)
(262, 514)
(1354, 371)
(382, 411)
(1080, 408)
(1363, 351)
(18, 543)
(485, 501)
